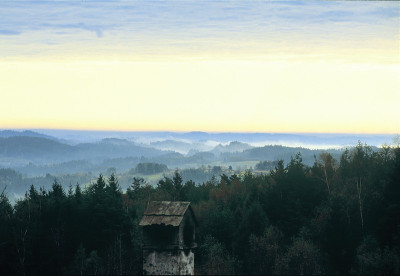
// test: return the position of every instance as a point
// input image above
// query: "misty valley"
(71, 202)
(34, 158)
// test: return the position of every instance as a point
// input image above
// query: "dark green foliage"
(150, 168)
(51, 232)
(335, 217)
(221, 225)
(7, 252)
(266, 252)
(301, 258)
(171, 189)
(370, 259)
(216, 258)
(253, 222)
(266, 165)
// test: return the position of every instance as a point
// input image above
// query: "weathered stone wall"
(186, 262)
(172, 262)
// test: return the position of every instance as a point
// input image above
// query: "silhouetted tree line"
(337, 216)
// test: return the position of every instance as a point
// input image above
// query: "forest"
(336, 216)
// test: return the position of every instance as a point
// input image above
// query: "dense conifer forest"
(333, 217)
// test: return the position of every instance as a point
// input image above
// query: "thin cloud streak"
(193, 27)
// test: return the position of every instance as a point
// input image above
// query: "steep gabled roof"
(165, 212)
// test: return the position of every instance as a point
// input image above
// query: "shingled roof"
(165, 212)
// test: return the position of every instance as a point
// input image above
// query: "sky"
(239, 66)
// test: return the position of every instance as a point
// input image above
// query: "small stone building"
(169, 238)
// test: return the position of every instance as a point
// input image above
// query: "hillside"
(234, 146)
(26, 133)
(18, 150)
(35, 149)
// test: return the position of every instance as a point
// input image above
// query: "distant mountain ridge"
(309, 140)
(234, 146)
(102, 150)
(26, 133)
(25, 149)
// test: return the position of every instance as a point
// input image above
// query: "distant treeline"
(336, 216)
(266, 165)
(16, 184)
(150, 168)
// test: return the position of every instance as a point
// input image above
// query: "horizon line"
(193, 131)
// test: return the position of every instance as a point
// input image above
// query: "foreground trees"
(334, 217)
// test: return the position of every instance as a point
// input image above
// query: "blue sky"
(148, 27)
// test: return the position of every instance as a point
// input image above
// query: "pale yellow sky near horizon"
(209, 95)
(309, 71)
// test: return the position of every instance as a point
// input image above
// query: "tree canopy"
(336, 216)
